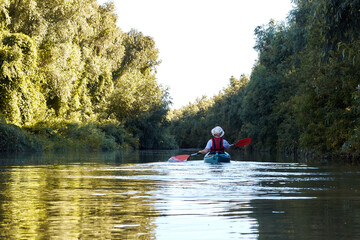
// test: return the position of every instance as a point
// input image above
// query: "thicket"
(303, 94)
(70, 77)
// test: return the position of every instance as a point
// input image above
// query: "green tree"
(134, 94)
(65, 62)
(20, 85)
(140, 53)
(327, 104)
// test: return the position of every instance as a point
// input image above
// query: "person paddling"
(216, 143)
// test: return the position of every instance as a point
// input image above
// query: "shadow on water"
(124, 157)
(119, 157)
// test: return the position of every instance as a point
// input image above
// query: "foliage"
(13, 139)
(135, 93)
(330, 77)
(93, 136)
(140, 53)
(303, 92)
(192, 124)
(150, 126)
(66, 66)
(71, 78)
(22, 101)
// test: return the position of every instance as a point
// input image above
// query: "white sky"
(202, 43)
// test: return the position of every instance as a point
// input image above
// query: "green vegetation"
(304, 91)
(70, 78)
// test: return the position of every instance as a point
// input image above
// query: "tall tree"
(20, 83)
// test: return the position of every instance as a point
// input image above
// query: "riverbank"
(110, 137)
(64, 137)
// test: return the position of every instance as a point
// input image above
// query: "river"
(139, 195)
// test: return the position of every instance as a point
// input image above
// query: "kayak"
(217, 157)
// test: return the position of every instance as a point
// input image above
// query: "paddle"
(181, 158)
(243, 142)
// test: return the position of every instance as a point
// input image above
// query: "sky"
(201, 43)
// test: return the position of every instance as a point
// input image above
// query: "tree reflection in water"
(140, 195)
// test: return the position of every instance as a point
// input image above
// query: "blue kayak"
(217, 157)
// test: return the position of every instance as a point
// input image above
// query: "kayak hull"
(217, 158)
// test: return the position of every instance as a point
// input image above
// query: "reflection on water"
(139, 195)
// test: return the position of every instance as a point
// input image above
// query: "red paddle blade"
(243, 142)
(179, 158)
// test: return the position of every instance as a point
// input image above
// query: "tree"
(20, 83)
(140, 53)
(68, 62)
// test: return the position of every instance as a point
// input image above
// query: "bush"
(13, 139)
(123, 138)
(97, 137)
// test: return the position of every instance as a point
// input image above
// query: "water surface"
(139, 195)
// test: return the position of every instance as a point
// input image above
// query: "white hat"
(217, 130)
